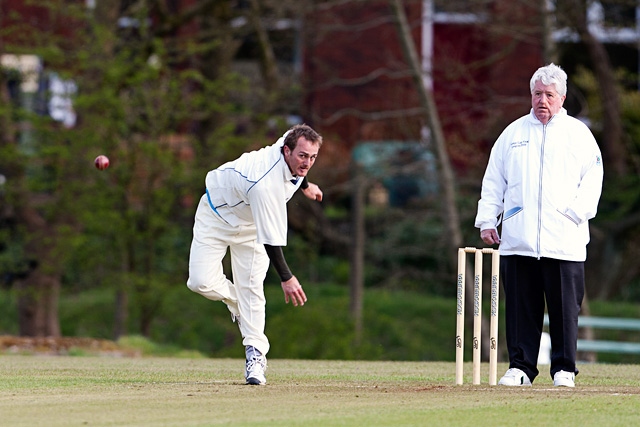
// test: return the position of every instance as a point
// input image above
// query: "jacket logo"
(516, 144)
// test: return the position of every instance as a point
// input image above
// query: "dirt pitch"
(37, 390)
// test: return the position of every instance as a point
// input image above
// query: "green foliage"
(305, 261)
(616, 309)
(145, 347)
(616, 228)
(126, 229)
(13, 261)
(330, 269)
(311, 331)
(87, 313)
(405, 251)
(8, 308)
(397, 325)
(621, 195)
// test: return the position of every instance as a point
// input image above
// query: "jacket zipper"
(544, 139)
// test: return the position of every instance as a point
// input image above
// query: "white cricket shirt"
(254, 190)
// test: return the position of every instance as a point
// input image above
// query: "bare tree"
(574, 13)
(427, 102)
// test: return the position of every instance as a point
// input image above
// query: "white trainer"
(564, 379)
(256, 366)
(515, 377)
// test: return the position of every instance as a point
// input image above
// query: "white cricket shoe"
(256, 366)
(515, 377)
(564, 379)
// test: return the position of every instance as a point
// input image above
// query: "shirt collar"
(288, 176)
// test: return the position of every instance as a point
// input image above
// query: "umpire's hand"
(490, 236)
(293, 291)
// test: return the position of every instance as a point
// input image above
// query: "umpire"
(544, 178)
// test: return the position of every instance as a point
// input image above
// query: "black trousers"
(528, 283)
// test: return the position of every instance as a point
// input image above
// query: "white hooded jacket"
(545, 181)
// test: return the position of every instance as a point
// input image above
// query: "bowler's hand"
(293, 291)
(313, 192)
(490, 236)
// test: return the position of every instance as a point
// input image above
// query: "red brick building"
(477, 60)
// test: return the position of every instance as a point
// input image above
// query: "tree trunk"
(446, 175)
(39, 290)
(356, 277)
(121, 314)
(38, 296)
(549, 51)
(613, 151)
(427, 102)
(267, 57)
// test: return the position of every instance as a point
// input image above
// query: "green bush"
(397, 325)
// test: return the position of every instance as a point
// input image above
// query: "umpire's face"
(546, 101)
(302, 157)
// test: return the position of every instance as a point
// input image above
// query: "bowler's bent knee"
(205, 290)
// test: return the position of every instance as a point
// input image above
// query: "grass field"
(108, 391)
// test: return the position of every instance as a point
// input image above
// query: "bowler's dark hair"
(305, 131)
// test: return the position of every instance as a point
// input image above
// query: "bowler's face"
(546, 101)
(302, 157)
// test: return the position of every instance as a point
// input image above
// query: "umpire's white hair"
(548, 75)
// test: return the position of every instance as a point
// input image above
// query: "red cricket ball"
(102, 162)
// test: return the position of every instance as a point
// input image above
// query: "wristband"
(305, 184)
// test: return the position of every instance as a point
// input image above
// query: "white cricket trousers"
(212, 236)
